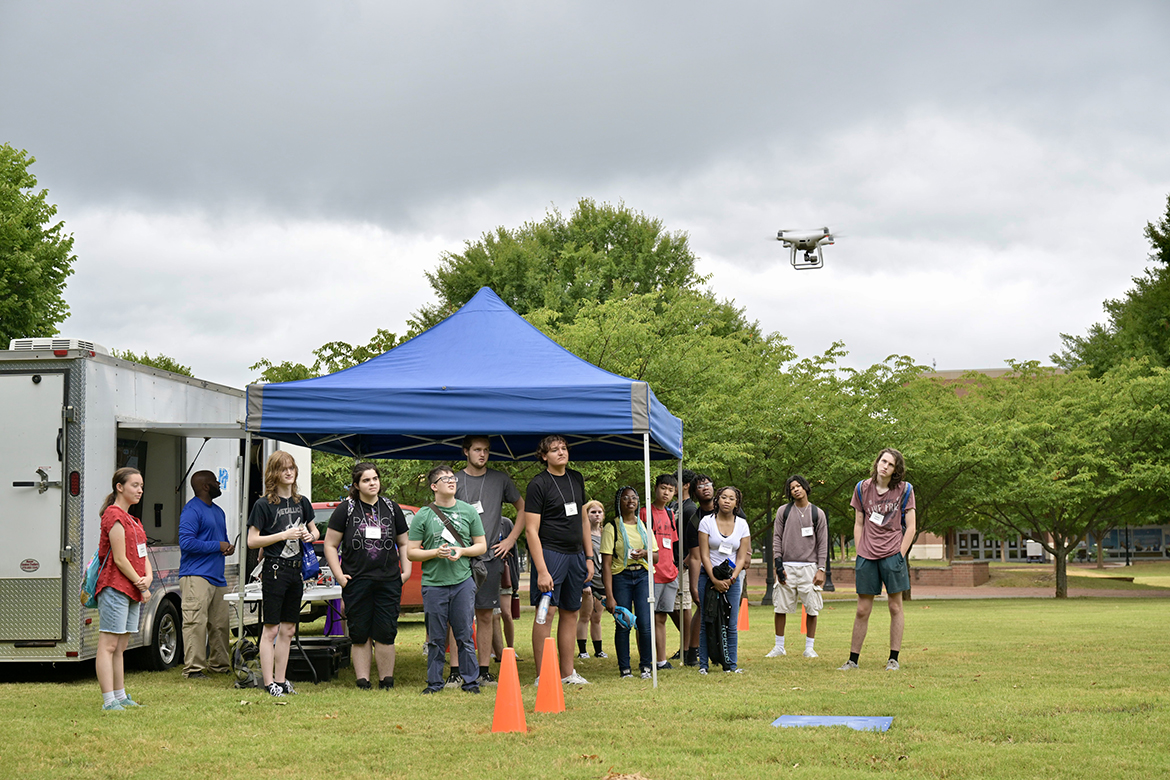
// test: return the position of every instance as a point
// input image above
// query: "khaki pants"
(205, 626)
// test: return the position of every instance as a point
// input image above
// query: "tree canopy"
(1138, 324)
(35, 253)
(158, 361)
(562, 263)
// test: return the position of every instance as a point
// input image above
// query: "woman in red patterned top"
(122, 587)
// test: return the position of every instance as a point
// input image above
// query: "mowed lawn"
(1014, 688)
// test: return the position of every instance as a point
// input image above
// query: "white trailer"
(70, 414)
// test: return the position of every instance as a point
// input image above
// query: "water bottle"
(542, 608)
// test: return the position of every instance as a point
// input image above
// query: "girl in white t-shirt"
(723, 536)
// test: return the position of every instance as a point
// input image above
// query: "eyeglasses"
(449, 480)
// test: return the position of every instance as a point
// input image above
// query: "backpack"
(88, 589)
(905, 499)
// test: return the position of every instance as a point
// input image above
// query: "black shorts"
(568, 573)
(488, 594)
(371, 609)
(281, 587)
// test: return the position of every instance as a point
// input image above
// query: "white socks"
(780, 642)
(808, 643)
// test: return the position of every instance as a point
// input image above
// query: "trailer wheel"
(166, 643)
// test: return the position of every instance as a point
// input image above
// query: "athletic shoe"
(892, 665)
(487, 679)
(776, 652)
(288, 688)
(847, 666)
(196, 676)
(363, 683)
(455, 680)
(386, 683)
(473, 688)
(810, 653)
(128, 702)
(702, 671)
(664, 665)
(574, 679)
(276, 689)
(601, 654)
(692, 658)
(432, 688)
(646, 674)
(677, 655)
(583, 656)
(626, 674)
(113, 707)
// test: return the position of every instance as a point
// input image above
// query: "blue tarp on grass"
(484, 369)
(857, 723)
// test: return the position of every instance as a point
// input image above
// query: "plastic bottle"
(542, 608)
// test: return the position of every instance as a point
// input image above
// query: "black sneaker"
(692, 658)
(455, 680)
(276, 689)
(664, 665)
(487, 679)
(363, 683)
(677, 655)
(600, 654)
(288, 689)
(197, 676)
(626, 673)
(473, 688)
(386, 683)
(432, 688)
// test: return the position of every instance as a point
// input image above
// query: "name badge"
(570, 508)
(449, 537)
(142, 549)
(806, 531)
(478, 506)
(726, 548)
(875, 518)
(666, 544)
(373, 532)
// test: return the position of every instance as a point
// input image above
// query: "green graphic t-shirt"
(426, 527)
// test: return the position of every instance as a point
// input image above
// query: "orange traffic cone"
(550, 697)
(742, 625)
(509, 715)
(803, 620)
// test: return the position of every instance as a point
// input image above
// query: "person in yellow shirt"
(627, 548)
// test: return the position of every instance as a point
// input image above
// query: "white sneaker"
(583, 656)
(574, 679)
(776, 652)
(810, 653)
(892, 665)
(847, 666)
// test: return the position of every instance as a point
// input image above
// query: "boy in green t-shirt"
(448, 589)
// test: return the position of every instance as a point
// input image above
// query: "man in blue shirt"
(203, 545)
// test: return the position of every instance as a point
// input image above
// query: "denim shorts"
(117, 612)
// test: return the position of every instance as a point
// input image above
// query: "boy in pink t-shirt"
(883, 530)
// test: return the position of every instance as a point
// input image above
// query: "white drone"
(809, 242)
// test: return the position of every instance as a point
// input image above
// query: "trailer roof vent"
(56, 345)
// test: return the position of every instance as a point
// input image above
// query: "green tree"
(158, 361)
(1138, 324)
(35, 254)
(329, 358)
(1066, 453)
(564, 263)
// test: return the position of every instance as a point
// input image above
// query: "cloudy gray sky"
(250, 180)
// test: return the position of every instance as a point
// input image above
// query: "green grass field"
(1014, 688)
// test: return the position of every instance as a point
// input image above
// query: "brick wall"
(960, 574)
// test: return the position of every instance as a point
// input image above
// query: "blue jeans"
(732, 630)
(452, 605)
(631, 590)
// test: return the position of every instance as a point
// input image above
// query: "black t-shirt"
(547, 496)
(272, 519)
(369, 537)
(691, 517)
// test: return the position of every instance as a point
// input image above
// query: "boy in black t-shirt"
(560, 549)
(279, 522)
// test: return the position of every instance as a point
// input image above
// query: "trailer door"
(31, 451)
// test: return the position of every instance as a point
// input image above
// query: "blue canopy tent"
(482, 370)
